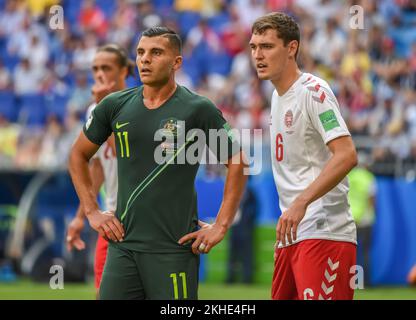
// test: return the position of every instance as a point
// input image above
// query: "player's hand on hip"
(107, 225)
(287, 225)
(205, 238)
(73, 236)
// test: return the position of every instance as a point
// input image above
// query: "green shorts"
(130, 275)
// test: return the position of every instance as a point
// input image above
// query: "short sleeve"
(220, 137)
(323, 111)
(98, 126)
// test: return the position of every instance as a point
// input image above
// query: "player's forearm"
(96, 174)
(233, 192)
(80, 213)
(97, 177)
(79, 170)
(332, 174)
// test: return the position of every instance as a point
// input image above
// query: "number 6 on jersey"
(279, 147)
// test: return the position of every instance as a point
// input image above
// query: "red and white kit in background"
(317, 265)
(108, 160)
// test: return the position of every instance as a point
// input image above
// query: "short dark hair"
(286, 27)
(174, 38)
(122, 56)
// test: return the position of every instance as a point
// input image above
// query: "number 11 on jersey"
(279, 147)
(124, 146)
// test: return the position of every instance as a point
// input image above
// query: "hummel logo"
(332, 265)
(121, 125)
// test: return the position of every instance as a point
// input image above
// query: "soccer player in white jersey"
(312, 152)
(111, 66)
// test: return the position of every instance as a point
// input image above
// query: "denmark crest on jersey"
(289, 121)
(289, 118)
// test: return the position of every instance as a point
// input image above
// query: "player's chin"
(263, 76)
(147, 80)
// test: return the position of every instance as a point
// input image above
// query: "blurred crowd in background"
(45, 77)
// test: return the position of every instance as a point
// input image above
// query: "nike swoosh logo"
(121, 125)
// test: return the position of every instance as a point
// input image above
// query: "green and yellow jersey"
(157, 201)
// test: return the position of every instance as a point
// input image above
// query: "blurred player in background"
(111, 67)
(151, 255)
(312, 152)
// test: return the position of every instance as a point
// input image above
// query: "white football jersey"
(108, 160)
(302, 122)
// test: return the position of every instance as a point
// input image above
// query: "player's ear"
(124, 72)
(293, 48)
(177, 63)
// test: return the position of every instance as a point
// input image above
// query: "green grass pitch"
(25, 289)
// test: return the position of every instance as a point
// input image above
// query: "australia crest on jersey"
(289, 121)
(170, 129)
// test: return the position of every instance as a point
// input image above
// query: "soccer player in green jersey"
(154, 240)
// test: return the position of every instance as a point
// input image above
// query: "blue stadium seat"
(212, 62)
(192, 69)
(162, 4)
(33, 109)
(408, 18)
(8, 106)
(107, 6)
(72, 9)
(403, 39)
(188, 20)
(218, 21)
(57, 105)
(9, 61)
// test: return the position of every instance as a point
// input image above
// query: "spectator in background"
(387, 126)
(72, 128)
(28, 149)
(92, 19)
(11, 18)
(361, 197)
(332, 40)
(63, 54)
(234, 34)
(5, 78)
(189, 5)
(249, 11)
(50, 143)
(84, 52)
(27, 79)
(81, 96)
(36, 51)
(9, 134)
(320, 10)
(387, 118)
(147, 16)
(410, 113)
(202, 33)
(37, 8)
(122, 24)
(358, 76)
(389, 67)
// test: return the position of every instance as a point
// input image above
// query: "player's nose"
(257, 54)
(145, 58)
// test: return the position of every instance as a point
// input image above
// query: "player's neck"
(154, 96)
(121, 87)
(286, 79)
